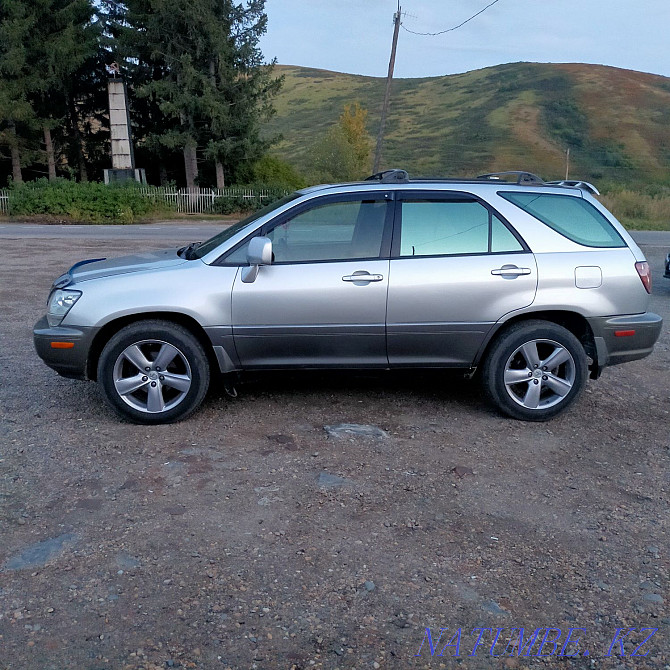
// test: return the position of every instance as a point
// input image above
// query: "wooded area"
(199, 88)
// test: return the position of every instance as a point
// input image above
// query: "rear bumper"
(68, 362)
(620, 339)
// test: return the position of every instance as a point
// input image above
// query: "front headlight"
(60, 303)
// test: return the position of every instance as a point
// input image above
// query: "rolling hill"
(516, 116)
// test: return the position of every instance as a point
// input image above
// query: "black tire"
(519, 353)
(158, 398)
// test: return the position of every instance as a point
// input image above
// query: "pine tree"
(204, 71)
(16, 113)
(44, 46)
(244, 87)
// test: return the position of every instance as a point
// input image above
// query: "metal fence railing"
(203, 200)
(4, 201)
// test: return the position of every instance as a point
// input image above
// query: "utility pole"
(567, 163)
(387, 94)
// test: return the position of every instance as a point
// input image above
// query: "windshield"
(213, 242)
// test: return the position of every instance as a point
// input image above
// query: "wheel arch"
(112, 327)
(572, 321)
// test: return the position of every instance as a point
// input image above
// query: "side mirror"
(259, 253)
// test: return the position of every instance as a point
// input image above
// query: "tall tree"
(44, 45)
(16, 112)
(344, 152)
(213, 87)
(244, 88)
(353, 122)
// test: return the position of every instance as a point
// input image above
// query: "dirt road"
(252, 536)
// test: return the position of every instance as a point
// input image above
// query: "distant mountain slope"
(517, 116)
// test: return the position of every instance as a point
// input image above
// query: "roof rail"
(390, 177)
(575, 183)
(522, 177)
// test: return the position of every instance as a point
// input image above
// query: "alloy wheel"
(539, 374)
(152, 376)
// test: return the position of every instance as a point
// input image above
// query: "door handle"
(510, 271)
(362, 277)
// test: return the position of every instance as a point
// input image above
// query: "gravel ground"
(253, 536)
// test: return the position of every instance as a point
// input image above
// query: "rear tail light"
(645, 274)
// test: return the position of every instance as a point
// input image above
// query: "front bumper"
(50, 342)
(620, 339)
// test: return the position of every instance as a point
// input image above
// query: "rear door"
(456, 268)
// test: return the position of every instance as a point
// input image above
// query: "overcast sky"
(355, 35)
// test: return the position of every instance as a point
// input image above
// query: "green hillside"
(517, 116)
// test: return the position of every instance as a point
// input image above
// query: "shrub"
(276, 172)
(232, 204)
(91, 202)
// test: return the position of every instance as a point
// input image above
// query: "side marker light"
(62, 345)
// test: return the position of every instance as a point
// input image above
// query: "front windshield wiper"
(187, 251)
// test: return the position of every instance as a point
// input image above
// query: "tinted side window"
(502, 239)
(335, 231)
(572, 217)
(436, 228)
(226, 234)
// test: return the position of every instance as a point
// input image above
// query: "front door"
(456, 269)
(322, 302)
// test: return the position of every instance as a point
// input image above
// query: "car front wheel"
(535, 370)
(154, 372)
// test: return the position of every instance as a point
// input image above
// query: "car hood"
(106, 267)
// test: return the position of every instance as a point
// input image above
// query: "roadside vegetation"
(93, 202)
(638, 210)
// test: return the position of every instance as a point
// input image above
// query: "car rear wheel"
(535, 370)
(154, 372)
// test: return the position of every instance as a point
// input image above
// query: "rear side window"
(449, 228)
(572, 217)
(437, 228)
(502, 240)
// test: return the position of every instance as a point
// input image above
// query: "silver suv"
(532, 285)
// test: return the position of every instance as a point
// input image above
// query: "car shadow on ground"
(447, 386)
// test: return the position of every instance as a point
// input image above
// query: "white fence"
(4, 202)
(201, 200)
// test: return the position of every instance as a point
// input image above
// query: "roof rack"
(390, 177)
(575, 183)
(522, 177)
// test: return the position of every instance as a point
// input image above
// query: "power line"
(449, 30)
